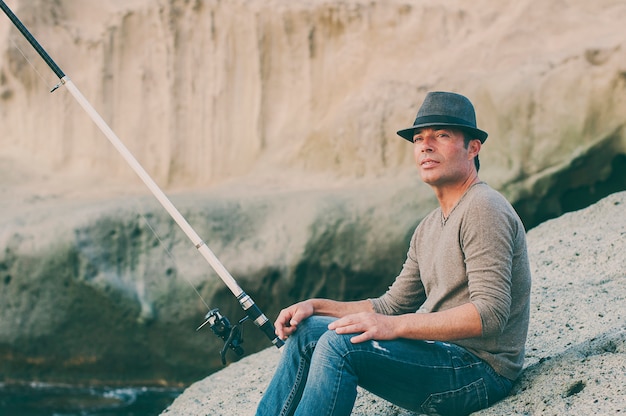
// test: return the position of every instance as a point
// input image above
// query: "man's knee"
(335, 344)
(310, 330)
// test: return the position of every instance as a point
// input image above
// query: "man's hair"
(468, 138)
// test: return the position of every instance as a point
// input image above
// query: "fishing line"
(169, 254)
(29, 62)
(232, 335)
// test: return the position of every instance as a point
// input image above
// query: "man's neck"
(449, 195)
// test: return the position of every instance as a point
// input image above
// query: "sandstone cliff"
(284, 92)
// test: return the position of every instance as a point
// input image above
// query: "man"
(448, 336)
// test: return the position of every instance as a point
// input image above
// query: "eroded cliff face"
(277, 119)
(205, 91)
(201, 91)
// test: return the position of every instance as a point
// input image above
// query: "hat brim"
(408, 134)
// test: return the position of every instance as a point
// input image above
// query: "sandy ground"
(576, 351)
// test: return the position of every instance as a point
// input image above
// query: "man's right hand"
(289, 318)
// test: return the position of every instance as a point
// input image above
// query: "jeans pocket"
(462, 401)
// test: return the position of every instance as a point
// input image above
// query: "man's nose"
(425, 145)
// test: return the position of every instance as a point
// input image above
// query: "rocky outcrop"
(104, 290)
(577, 342)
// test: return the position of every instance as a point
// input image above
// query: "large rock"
(576, 351)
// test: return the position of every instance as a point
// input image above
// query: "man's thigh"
(424, 376)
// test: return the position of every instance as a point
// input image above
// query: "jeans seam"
(286, 410)
(331, 409)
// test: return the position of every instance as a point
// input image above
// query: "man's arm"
(460, 322)
(289, 318)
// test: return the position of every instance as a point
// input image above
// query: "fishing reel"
(232, 335)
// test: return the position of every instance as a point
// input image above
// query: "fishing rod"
(217, 322)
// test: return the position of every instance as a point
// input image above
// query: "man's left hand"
(367, 324)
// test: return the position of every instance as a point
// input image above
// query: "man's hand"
(289, 318)
(370, 325)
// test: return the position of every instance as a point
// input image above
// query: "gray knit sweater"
(478, 254)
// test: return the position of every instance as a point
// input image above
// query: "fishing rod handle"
(259, 319)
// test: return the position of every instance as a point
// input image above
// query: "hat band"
(441, 119)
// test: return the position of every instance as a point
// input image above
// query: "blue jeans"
(319, 371)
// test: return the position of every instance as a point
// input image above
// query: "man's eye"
(417, 139)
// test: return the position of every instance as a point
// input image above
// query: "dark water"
(51, 400)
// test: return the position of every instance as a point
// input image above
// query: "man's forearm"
(457, 323)
(327, 307)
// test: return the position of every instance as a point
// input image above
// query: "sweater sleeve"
(406, 294)
(488, 235)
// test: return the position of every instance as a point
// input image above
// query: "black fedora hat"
(445, 109)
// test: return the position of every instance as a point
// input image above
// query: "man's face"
(441, 156)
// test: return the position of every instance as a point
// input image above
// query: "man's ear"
(473, 148)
